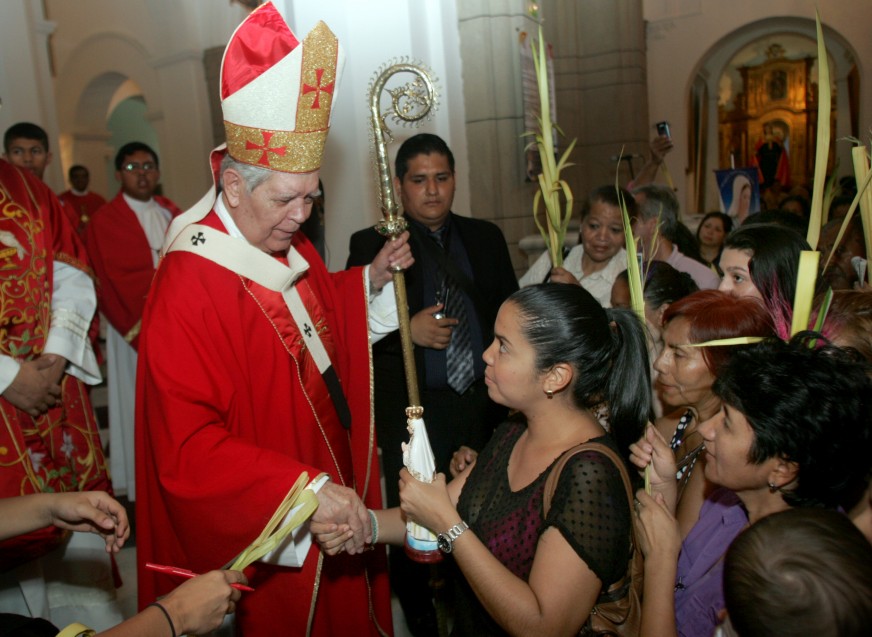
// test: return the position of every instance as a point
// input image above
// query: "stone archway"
(714, 63)
(102, 71)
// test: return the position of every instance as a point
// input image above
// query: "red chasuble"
(60, 450)
(230, 410)
(122, 262)
(80, 208)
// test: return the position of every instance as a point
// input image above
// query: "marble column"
(601, 94)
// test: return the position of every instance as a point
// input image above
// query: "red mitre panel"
(261, 41)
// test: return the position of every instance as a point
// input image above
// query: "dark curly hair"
(811, 406)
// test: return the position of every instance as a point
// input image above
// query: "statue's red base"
(422, 557)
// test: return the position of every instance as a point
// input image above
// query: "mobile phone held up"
(663, 129)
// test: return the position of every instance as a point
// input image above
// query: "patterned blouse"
(589, 508)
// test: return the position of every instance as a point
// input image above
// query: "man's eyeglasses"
(134, 166)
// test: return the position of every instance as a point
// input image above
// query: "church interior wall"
(25, 74)
(158, 46)
(376, 34)
(619, 66)
(682, 33)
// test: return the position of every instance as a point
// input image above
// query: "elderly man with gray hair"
(656, 228)
(254, 369)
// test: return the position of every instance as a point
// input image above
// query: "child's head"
(799, 572)
(26, 146)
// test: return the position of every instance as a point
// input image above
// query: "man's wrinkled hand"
(32, 391)
(395, 254)
(341, 506)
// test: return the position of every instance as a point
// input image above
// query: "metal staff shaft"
(399, 278)
(410, 103)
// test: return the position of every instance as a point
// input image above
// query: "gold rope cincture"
(133, 333)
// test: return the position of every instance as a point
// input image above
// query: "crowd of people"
(239, 368)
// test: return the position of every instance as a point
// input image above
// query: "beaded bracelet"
(374, 522)
(167, 615)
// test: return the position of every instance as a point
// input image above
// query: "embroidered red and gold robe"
(60, 450)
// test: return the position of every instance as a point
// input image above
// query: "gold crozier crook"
(410, 103)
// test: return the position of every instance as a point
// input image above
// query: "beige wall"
(25, 74)
(99, 47)
(687, 37)
(599, 77)
(612, 70)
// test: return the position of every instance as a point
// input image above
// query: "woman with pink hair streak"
(762, 260)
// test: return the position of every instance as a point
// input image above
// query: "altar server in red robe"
(255, 362)
(48, 433)
(80, 204)
(124, 239)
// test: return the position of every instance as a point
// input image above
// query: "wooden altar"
(777, 105)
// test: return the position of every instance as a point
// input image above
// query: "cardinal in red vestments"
(243, 385)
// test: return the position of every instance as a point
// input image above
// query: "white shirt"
(703, 276)
(598, 283)
(154, 219)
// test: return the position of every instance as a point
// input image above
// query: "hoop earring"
(549, 393)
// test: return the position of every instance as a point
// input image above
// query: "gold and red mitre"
(277, 93)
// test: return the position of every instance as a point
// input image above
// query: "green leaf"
(822, 148)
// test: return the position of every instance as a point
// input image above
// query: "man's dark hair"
(25, 130)
(134, 147)
(609, 195)
(802, 201)
(800, 572)
(422, 144)
(840, 201)
(76, 167)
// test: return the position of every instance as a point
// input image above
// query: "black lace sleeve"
(591, 510)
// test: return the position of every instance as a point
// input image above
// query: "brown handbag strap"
(554, 476)
(608, 452)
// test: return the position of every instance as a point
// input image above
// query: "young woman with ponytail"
(575, 373)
